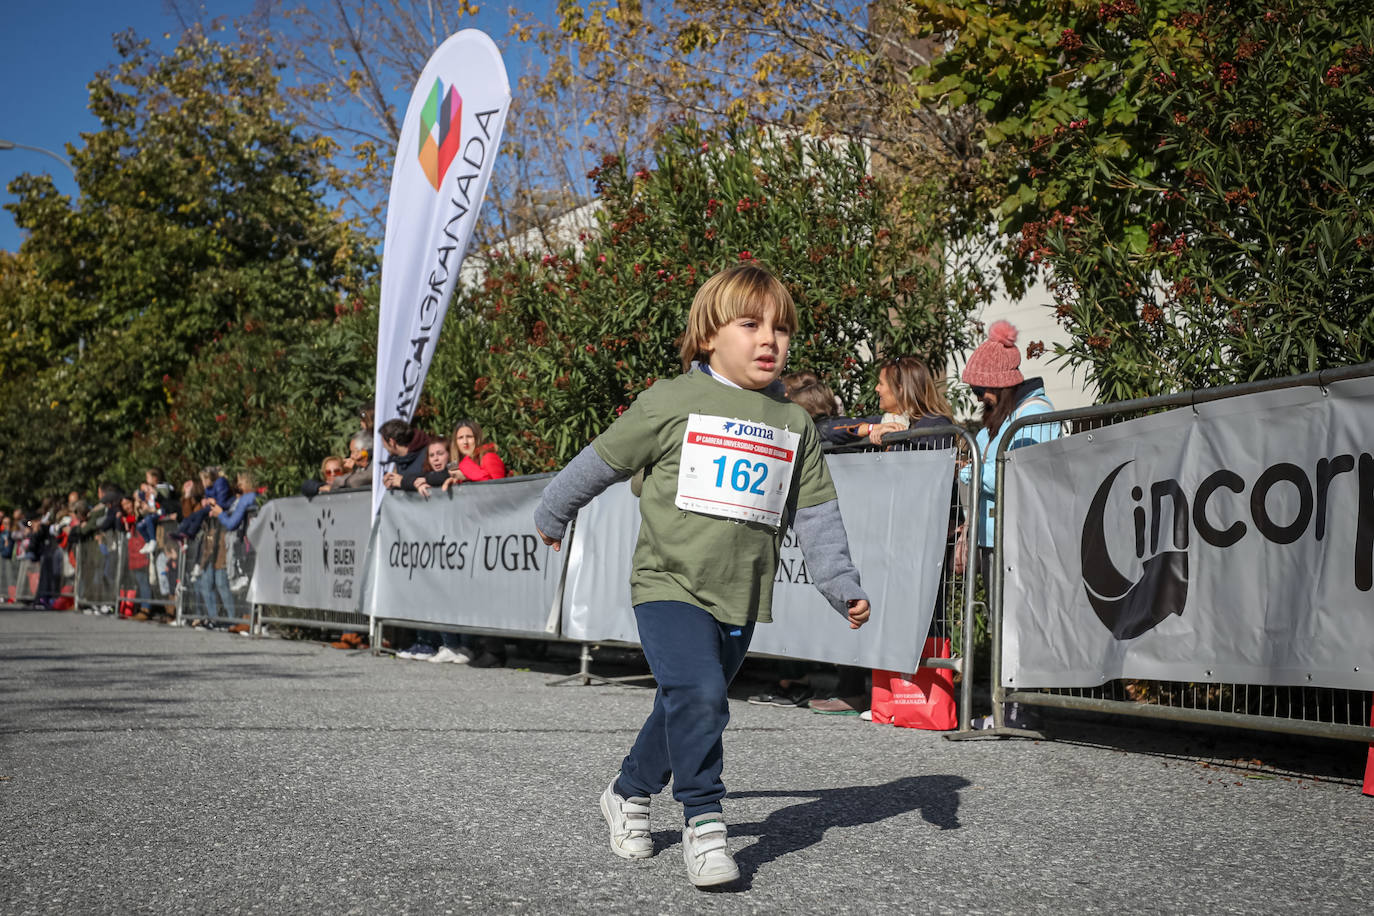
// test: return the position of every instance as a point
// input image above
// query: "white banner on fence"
(896, 509)
(310, 552)
(1227, 543)
(468, 557)
(449, 139)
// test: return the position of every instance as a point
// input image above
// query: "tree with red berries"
(1195, 177)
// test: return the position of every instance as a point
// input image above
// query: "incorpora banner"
(310, 551)
(466, 557)
(1230, 542)
(448, 142)
(896, 509)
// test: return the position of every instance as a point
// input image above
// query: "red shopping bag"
(924, 699)
(1369, 764)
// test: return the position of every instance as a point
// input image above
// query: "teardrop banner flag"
(449, 140)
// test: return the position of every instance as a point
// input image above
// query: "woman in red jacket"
(476, 458)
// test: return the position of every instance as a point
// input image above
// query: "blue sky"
(50, 51)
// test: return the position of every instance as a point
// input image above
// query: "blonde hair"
(743, 291)
(325, 463)
(813, 396)
(915, 389)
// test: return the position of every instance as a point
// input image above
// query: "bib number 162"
(742, 477)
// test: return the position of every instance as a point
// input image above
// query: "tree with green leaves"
(202, 210)
(1195, 176)
(552, 345)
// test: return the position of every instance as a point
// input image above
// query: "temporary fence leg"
(76, 587)
(584, 674)
(121, 563)
(181, 582)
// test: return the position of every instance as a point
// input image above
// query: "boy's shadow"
(798, 826)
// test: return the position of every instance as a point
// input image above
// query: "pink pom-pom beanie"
(994, 364)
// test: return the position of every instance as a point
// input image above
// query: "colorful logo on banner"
(440, 133)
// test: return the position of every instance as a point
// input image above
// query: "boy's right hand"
(555, 543)
(857, 613)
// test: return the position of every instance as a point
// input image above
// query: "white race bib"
(736, 469)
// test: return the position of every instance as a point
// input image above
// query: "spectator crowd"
(156, 531)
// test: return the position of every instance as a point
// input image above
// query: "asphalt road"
(147, 768)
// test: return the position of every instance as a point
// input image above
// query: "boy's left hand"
(857, 613)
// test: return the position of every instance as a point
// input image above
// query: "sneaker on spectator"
(704, 849)
(628, 819)
(148, 549)
(418, 651)
(796, 695)
(445, 654)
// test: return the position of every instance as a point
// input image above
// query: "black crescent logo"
(1129, 609)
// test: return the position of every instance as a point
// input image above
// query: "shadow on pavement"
(799, 826)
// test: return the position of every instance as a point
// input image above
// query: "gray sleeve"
(825, 548)
(575, 486)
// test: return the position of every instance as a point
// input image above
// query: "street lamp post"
(10, 144)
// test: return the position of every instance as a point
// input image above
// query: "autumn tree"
(1194, 176)
(551, 345)
(202, 209)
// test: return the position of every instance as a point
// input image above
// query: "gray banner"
(896, 509)
(1226, 543)
(310, 551)
(468, 557)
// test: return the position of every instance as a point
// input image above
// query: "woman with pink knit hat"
(993, 371)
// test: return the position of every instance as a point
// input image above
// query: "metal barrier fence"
(101, 570)
(956, 606)
(120, 572)
(1312, 711)
(216, 566)
(19, 580)
(202, 578)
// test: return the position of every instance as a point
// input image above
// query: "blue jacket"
(1032, 391)
(232, 517)
(219, 491)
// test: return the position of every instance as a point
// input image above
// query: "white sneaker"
(148, 549)
(703, 848)
(628, 819)
(445, 654)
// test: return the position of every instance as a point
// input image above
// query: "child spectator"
(217, 493)
(433, 472)
(710, 534)
(154, 503)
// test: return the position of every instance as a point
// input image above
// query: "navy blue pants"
(694, 657)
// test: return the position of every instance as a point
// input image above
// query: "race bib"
(736, 469)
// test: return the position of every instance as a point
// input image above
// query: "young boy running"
(729, 462)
